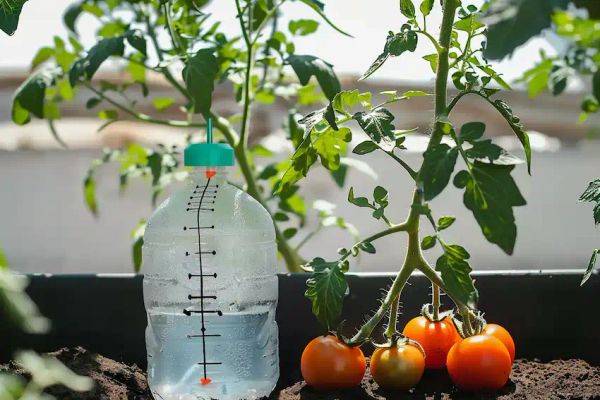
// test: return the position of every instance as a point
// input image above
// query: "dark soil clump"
(562, 379)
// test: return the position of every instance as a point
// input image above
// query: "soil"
(560, 379)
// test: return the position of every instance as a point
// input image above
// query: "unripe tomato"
(397, 367)
(436, 338)
(479, 362)
(501, 334)
(327, 364)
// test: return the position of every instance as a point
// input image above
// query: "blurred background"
(45, 226)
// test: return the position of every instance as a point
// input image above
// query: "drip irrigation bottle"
(210, 287)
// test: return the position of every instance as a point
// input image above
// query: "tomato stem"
(435, 301)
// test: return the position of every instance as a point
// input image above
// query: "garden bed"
(563, 379)
(105, 314)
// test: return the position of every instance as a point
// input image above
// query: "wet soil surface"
(560, 379)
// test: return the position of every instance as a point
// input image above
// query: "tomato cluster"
(479, 362)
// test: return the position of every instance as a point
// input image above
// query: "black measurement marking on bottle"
(198, 206)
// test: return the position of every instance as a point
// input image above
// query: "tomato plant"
(479, 362)
(398, 366)
(181, 43)
(327, 363)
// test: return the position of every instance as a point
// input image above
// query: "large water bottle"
(210, 288)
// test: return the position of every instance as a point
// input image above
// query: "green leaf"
(426, 7)
(515, 124)
(30, 96)
(303, 27)
(592, 194)
(469, 24)
(380, 195)
(358, 201)
(395, 45)
(289, 233)
(438, 165)
(330, 144)
(42, 55)
(378, 125)
(162, 103)
(365, 147)
(487, 152)
(471, 131)
(86, 67)
(326, 289)
(432, 59)
(511, 23)
(89, 194)
(137, 40)
(596, 85)
(445, 222)
(407, 8)
(428, 242)
(491, 193)
(306, 67)
(138, 242)
(455, 271)
(71, 14)
(590, 104)
(281, 217)
(10, 10)
(558, 79)
(199, 75)
(367, 247)
(590, 268)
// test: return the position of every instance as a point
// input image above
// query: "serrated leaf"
(445, 222)
(438, 165)
(378, 125)
(395, 45)
(326, 289)
(137, 40)
(455, 271)
(592, 194)
(591, 266)
(491, 193)
(432, 59)
(428, 242)
(487, 152)
(330, 145)
(515, 124)
(306, 66)
(199, 75)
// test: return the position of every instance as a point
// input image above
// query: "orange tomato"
(327, 364)
(397, 367)
(479, 362)
(501, 334)
(436, 338)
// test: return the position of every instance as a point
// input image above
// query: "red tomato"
(501, 334)
(328, 364)
(397, 367)
(479, 362)
(436, 338)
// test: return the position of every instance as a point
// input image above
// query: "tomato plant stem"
(435, 301)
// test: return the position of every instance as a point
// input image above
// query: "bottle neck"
(200, 175)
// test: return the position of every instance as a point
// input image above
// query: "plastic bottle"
(210, 287)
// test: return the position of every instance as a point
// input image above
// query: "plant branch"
(141, 116)
(411, 172)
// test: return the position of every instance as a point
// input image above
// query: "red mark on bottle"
(205, 381)
(210, 173)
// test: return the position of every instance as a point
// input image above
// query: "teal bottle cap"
(208, 154)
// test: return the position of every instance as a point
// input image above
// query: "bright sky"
(369, 21)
